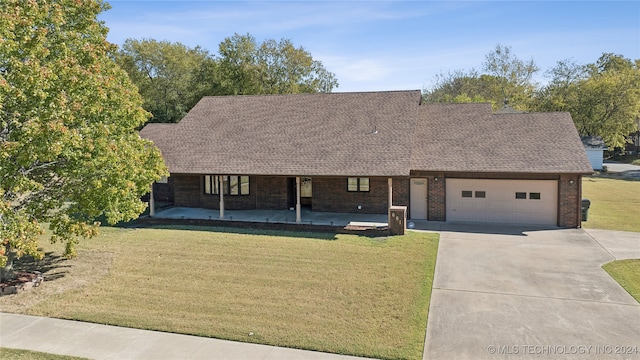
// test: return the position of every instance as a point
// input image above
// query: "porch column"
(152, 203)
(298, 207)
(390, 182)
(221, 191)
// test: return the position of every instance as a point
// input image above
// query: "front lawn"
(615, 203)
(627, 274)
(15, 354)
(336, 293)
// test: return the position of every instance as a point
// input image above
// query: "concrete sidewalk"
(96, 341)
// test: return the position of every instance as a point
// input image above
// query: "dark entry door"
(291, 192)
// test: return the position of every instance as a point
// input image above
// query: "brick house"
(359, 152)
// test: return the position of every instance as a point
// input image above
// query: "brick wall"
(271, 192)
(265, 192)
(400, 192)
(330, 194)
(186, 190)
(569, 199)
(164, 192)
(189, 192)
(437, 199)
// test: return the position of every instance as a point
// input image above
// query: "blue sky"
(394, 45)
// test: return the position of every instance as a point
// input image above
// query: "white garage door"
(503, 201)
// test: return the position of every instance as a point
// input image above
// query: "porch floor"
(276, 216)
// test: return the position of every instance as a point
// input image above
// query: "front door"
(291, 193)
(418, 198)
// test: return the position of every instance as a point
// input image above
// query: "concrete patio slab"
(273, 216)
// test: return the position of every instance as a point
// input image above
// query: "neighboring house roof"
(593, 143)
(363, 134)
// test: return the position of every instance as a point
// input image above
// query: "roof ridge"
(317, 94)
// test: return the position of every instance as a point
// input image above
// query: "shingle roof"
(363, 134)
(469, 138)
(306, 134)
(593, 143)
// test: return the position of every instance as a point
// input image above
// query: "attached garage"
(502, 201)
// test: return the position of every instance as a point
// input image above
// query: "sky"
(394, 45)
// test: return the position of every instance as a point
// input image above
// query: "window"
(481, 194)
(306, 190)
(357, 184)
(467, 193)
(534, 196)
(364, 184)
(244, 185)
(521, 195)
(234, 185)
(207, 184)
(224, 184)
(231, 185)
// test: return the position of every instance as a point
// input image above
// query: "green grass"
(627, 274)
(615, 203)
(336, 293)
(16, 354)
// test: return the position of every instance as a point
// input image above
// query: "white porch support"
(390, 182)
(298, 207)
(152, 203)
(221, 191)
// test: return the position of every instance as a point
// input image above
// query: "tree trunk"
(6, 273)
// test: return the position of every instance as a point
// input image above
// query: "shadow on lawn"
(243, 230)
(51, 266)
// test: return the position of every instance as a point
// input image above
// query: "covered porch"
(307, 217)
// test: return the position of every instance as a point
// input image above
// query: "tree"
(69, 152)
(504, 78)
(246, 67)
(603, 97)
(171, 77)
(465, 87)
(514, 74)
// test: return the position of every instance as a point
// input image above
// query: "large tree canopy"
(247, 67)
(504, 78)
(465, 87)
(603, 97)
(69, 150)
(171, 77)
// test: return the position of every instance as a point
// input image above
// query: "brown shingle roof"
(363, 134)
(304, 134)
(469, 138)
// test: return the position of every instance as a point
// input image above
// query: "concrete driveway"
(618, 169)
(503, 293)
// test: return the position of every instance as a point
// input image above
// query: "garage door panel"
(500, 203)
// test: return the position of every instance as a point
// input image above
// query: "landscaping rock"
(24, 281)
